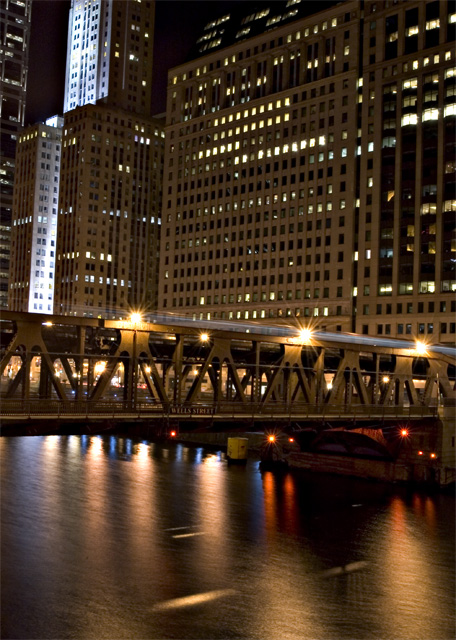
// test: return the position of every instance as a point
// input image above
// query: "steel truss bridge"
(80, 368)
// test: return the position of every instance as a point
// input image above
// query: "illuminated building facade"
(309, 170)
(112, 158)
(110, 54)
(35, 202)
(109, 213)
(14, 40)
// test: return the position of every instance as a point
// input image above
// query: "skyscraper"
(309, 169)
(14, 39)
(110, 54)
(112, 158)
(36, 193)
(109, 213)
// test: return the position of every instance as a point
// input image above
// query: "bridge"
(72, 368)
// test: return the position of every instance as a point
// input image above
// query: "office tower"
(35, 202)
(112, 157)
(110, 54)
(406, 217)
(14, 39)
(109, 213)
(309, 169)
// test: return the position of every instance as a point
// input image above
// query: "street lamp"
(135, 318)
(305, 336)
(420, 348)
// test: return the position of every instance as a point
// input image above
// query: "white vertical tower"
(87, 66)
(35, 203)
(110, 54)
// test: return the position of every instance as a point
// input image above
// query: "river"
(106, 537)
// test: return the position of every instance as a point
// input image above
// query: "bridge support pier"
(447, 453)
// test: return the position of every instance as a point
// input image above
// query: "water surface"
(103, 537)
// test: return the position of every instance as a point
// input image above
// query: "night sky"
(178, 24)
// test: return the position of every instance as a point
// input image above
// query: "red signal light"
(173, 434)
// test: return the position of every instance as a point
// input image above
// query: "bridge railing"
(56, 409)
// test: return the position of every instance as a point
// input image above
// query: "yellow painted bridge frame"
(170, 369)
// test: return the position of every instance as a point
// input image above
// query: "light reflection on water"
(106, 537)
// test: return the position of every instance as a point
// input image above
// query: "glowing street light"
(99, 368)
(420, 348)
(271, 438)
(305, 336)
(404, 433)
(204, 337)
(135, 318)
(385, 379)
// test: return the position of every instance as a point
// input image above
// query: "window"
(409, 119)
(385, 290)
(431, 114)
(433, 24)
(427, 287)
(429, 208)
(410, 83)
(409, 101)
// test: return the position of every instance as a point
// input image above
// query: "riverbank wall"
(402, 471)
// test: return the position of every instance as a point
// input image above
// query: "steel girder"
(99, 360)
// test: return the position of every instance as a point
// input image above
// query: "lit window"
(389, 141)
(409, 119)
(448, 285)
(428, 208)
(426, 287)
(449, 110)
(433, 24)
(430, 114)
(430, 96)
(385, 289)
(410, 83)
(409, 101)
